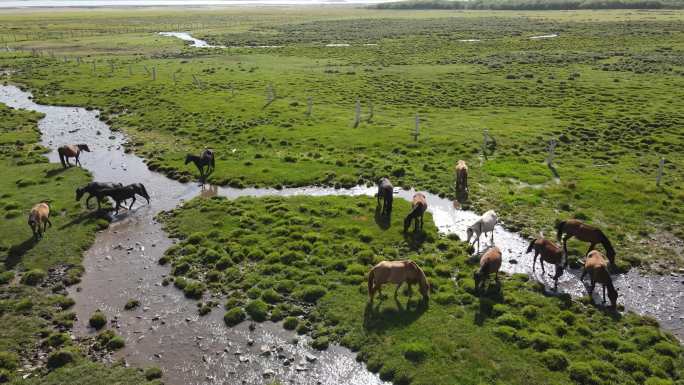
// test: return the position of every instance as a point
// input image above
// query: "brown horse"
(551, 253)
(397, 272)
(39, 216)
(71, 151)
(583, 232)
(461, 177)
(418, 208)
(597, 268)
(490, 262)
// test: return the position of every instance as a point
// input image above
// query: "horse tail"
(371, 280)
(60, 151)
(531, 245)
(610, 252)
(213, 161)
(559, 229)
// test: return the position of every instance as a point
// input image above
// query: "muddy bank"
(166, 329)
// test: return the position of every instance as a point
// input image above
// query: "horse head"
(612, 295)
(407, 222)
(84, 147)
(469, 233)
(79, 193)
(140, 190)
(477, 277)
(188, 158)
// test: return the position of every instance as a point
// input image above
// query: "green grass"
(605, 89)
(315, 253)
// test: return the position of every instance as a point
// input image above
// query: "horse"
(485, 224)
(120, 194)
(551, 253)
(71, 151)
(583, 232)
(597, 268)
(490, 262)
(95, 190)
(206, 159)
(385, 192)
(418, 208)
(461, 177)
(39, 215)
(397, 272)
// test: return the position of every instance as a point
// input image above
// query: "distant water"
(185, 3)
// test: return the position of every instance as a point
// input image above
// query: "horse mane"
(559, 229)
(610, 251)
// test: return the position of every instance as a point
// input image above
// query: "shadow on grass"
(489, 295)
(415, 239)
(55, 171)
(16, 252)
(84, 216)
(383, 221)
(377, 319)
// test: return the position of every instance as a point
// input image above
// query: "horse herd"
(396, 272)
(596, 265)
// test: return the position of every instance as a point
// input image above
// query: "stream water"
(167, 331)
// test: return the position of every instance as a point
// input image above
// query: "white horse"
(485, 225)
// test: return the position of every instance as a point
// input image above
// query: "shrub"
(194, 289)
(511, 320)
(9, 360)
(98, 320)
(257, 310)
(541, 342)
(271, 296)
(581, 373)
(290, 323)
(234, 316)
(445, 298)
(505, 333)
(57, 339)
(657, 381)
(60, 358)
(312, 293)
(530, 311)
(131, 304)
(667, 349)
(415, 351)
(116, 343)
(555, 359)
(33, 277)
(153, 373)
(633, 362)
(320, 343)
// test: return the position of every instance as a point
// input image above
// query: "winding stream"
(167, 331)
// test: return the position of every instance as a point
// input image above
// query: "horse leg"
(591, 247)
(133, 201)
(77, 162)
(496, 276)
(47, 222)
(88, 200)
(397, 289)
(584, 272)
(604, 293)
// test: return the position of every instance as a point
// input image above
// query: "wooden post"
(371, 111)
(357, 113)
(659, 175)
(485, 139)
(154, 73)
(309, 105)
(416, 130)
(552, 152)
(78, 60)
(111, 67)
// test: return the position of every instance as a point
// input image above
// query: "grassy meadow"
(304, 261)
(607, 89)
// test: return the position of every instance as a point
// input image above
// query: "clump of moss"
(61, 358)
(320, 343)
(97, 320)
(153, 373)
(257, 310)
(415, 351)
(234, 316)
(33, 277)
(131, 304)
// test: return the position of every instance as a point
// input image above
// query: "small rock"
(310, 357)
(250, 342)
(513, 261)
(300, 368)
(243, 359)
(252, 326)
(268, 373)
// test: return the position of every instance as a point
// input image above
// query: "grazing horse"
(121, 194)
(71, 151)
(597, 267)
(206, 159)
(418, 208)
(490, 262)
(551, 253)
(95, 190)
(385, 192)
(583, 232)
(397, 272)
(485, 225)
(461, 177)
(39, 216)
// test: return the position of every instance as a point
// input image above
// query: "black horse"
(95, 190)
(385, 192)
(121, 194)
(206, 159)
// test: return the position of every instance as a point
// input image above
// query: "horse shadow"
(553, 170)
(491, 295)
(376, 318)
(16, 252)
(383, 221)
(98, 214)
(415, 239)
(55, 171)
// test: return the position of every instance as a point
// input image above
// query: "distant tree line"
(532, 4)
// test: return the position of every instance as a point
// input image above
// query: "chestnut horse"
(385, 192)
(551, 253)
(397, 272)
(39, 216)
(597, 268)
(583, 232)
(461, 177)
(490, 262)
(418, 208)
(71, 151)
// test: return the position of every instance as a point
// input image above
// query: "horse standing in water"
(71, 151)
(121, 194)
(418, 208)
(206, 159)
(397, 272)
(597, 268)
(461, 178)
(95, 190)
(490, 262)
(39, 216)
(485, 224)
(551, 253)
(385, 192)
(576, 228)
